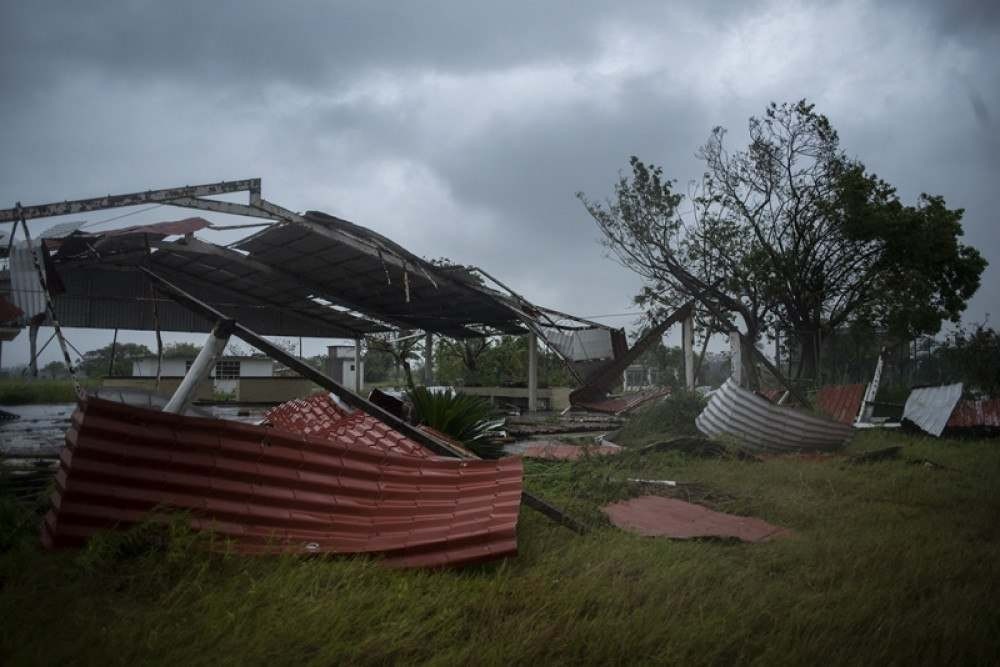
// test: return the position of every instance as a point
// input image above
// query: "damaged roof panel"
(763, 426)
(983, 413)
(840, 402)
(353, 263)
(270, 490)
(931, 407)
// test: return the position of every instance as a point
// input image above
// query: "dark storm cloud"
(464, 129)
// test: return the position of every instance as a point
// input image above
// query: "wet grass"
(22, 391)
(889, 563)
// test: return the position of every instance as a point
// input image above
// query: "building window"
(352, 367)
(227, 369)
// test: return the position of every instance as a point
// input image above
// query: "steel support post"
(532, 372)
(202, 367)
(687, 345)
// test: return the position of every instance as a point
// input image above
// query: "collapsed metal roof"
(312, 275)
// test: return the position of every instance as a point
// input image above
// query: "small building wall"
(256, 368)
(247, 390)
(173, 367)
(552, 398)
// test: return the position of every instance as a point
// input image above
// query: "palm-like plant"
(468, 419)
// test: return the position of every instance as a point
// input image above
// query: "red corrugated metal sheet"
(272, 490)
(320, 416)
(669, 517)
(168, 228)
(976, 414)
(840, 402)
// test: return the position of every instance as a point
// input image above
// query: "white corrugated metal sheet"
(582, 344)
(759, 424)
(26, 290)
(930, 407)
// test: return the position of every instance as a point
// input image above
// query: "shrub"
(468, 419)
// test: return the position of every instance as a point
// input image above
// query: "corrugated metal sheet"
(421, 295)
(763, 426)
(582, 344)
(931, 407)
(320, 416)
(656, 516)
(270, 490)
(26, 290)
(976, 414)
(840, 402)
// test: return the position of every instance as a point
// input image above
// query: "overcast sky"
(463, 129)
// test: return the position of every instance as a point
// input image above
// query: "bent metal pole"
(436, 445)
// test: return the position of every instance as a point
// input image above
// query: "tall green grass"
(670, 416)
(888, 563)
(21, 391)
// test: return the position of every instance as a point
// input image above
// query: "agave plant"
(468, 419)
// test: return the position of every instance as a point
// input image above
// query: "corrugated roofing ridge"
(270, 490)
(761, 425)
(931, 407)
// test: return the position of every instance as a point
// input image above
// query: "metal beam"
(163, 196)
(197, 246)
(347, 396)
(201, 368)
(230, 208)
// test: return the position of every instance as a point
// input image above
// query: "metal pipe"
(202, 367)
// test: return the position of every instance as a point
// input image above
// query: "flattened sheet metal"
(840, 402)
(931, 407)
(762, 426)
(981, 414)
(271, 490)
(657, 516)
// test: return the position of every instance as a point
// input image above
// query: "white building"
(226, 374)
(342, 366)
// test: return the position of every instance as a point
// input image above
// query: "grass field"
(889, 563)
(21, 391)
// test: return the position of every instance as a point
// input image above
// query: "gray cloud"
(464, 130)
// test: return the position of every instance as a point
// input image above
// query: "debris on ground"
(700, 447)
(658, 516)
(554, 450)
(929, 408)
(622, 405)
(320, 479)
(762, 426)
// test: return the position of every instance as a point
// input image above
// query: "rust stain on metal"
(351, 490)
(657, 516)
(983, 413)
(840, 402)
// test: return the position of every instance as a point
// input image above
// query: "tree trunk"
(809, 341)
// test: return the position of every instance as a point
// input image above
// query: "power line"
(119, 217)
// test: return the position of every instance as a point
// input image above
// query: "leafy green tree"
(181, 350)
(95, 362)
(791, 230)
